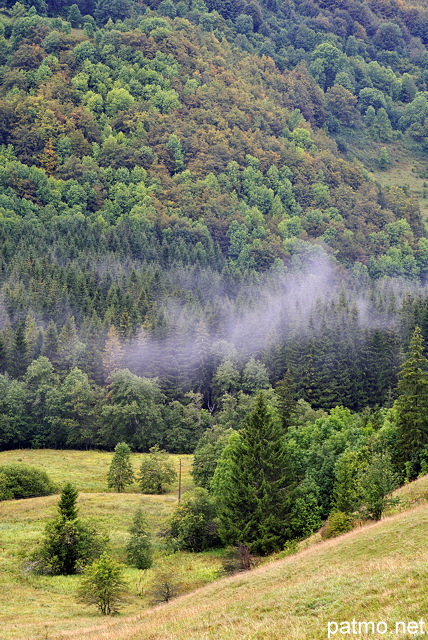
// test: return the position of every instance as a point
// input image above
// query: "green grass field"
(378, 572)
(37, 607)
(375, 574)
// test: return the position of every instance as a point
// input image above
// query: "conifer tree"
(69, 346)
(19, 353)
(31, 336)
(112, 353)
(286, 393)
(50, 343)
(68, 544)
(67, 502)
(412, 409)
(120, 473)
(252, 484)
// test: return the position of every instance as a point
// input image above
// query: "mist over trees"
(190, 214)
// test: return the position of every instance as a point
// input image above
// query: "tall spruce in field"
(67, 503)
(120, 473)
(252, 484)
(412, 410)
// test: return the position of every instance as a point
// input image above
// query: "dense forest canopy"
(188, 213)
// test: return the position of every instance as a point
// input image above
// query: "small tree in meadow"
(156, 471)
(68, 544)
(164, 588)
(139, 547)
(120, 473)
(103, 585)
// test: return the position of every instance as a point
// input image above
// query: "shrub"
(156, 472)
(164, 588)
(192, 526)
(19, 481)
(338, 522)
(239, 559)
(103, 585)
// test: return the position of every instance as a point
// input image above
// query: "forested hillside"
(188, 213)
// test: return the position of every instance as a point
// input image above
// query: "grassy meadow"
(37, 607)
(377, 572)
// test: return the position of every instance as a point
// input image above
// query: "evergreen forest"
(192, 211)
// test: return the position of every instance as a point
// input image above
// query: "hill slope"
(378, 573)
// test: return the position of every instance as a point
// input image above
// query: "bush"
(156, 472)
(164, 587)
(192, 526)
(5, 492)
(19, 481)
(239, 559)
(103, 585)
(338, 522)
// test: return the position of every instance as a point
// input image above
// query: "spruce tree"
(68, 544)
(113, 353)
(19, 354)
(120, 473)
(412, 410)
(50, 343)
(252, 484)
(67, 502)
(287, 399)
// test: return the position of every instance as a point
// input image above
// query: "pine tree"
(19, 353)
(252, 484)
(120, 473)
(412, 409)
(31, 336)
(286, 393)
(50, 343)
(69, 346)
(93, 336)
